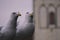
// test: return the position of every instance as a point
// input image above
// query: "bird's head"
(29, 16)
(15, 15)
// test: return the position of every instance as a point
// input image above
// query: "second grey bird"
(9, 31)
(25, 30)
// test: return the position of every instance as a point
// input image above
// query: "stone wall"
(46, 33)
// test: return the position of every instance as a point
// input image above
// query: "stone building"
(47, 19)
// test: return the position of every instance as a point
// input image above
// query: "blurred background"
(9, 6)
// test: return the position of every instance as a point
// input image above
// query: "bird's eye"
(14, 12)
(27, 13)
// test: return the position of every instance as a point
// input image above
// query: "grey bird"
(25, 30)
(9, 31)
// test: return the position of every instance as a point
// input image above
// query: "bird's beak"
(19, 14)
(31, 14)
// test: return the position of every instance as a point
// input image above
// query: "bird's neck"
(12, 23)
(29, 20)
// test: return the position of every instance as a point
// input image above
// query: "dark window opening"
(52, 19)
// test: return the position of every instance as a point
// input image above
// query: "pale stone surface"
(44, 33)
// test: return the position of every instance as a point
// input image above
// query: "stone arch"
(51, 16)
(51, 7)
(43, 16)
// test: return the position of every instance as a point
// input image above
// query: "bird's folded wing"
(1, 36)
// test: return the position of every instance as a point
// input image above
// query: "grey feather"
(26, 29)
(8, 32)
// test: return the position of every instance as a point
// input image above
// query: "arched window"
(52, 19)
(58, 16)
(43, 16)
(51, 16)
